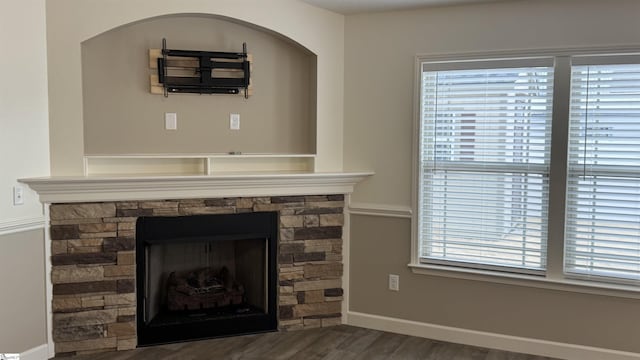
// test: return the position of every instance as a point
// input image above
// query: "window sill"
(532, 281)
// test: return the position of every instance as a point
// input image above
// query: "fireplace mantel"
(122, 188)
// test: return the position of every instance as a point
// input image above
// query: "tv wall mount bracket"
(197, 72)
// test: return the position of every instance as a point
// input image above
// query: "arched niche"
(122, 117)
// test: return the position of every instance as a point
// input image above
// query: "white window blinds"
(603, 193)
(485, 163)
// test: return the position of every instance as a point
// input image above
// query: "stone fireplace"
(94, 264)
(91, 243)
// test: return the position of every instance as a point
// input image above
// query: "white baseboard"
(12, 226)
(37, 353)
(486, 339)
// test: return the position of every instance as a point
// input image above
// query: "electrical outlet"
(234, 121)
(170, 121)
(18, 195)
(394, 282)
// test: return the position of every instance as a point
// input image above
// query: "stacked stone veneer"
(93, 264)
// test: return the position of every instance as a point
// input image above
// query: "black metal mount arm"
(204, 66)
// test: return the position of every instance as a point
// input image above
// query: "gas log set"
(202, 289)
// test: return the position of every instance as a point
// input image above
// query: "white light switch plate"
(170, 121)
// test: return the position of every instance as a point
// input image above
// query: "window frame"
(554, 277)
(496, 167)
(607, 60)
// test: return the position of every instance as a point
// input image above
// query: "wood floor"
(333, 343)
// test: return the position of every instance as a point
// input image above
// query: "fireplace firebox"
(205, 276)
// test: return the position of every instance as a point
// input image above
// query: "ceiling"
(360, 6)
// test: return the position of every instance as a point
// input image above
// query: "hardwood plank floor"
(333, 343)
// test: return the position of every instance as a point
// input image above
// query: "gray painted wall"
(22, 291)
(381, 246)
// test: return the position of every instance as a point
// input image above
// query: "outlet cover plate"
(170, 121)
(234, 121)
(18, 195)
(394, 282)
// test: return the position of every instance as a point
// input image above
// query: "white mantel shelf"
(122, 188)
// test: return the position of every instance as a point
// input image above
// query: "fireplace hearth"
(205, 276)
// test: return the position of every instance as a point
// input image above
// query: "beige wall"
(70, 22)
(24, 147)
(379, 94)
(380, 56)
(22, 304)
(121, 116)
(24, 152)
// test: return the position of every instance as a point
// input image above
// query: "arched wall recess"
(121, 117)
(71, 22)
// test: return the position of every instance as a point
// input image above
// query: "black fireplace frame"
(217, 227)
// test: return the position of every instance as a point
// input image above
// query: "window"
(485, 163)
(485, 158)
(603, 207)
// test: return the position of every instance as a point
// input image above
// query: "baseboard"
(19, 225)
(486, 339)
(37, 353)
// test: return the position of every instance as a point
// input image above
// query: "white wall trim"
(12, 226)
(346, 256)
(37, 353)
(48, 282)
(621, 290)
(384, 210)
(487, 339)
(115, 188)
(542, 52)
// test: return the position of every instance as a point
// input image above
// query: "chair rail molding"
(12, 226)
(372, 209)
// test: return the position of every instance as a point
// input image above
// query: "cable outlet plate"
(18, 195)
(170, 121)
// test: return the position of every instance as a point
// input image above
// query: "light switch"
(170, 121)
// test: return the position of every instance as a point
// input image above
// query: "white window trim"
(554, 279)
(539, 282)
